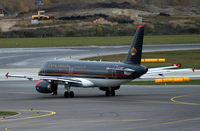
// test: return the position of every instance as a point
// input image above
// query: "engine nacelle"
(43, 87)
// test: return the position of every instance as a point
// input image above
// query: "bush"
(193, 30)
(120, 19)
(1, 34)
(68, 31)
(149, 28)
(29, 34)
(99, 31)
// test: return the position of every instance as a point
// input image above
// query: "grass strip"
(191, 82)
(186, 58)
(97, 41)
(7, 113)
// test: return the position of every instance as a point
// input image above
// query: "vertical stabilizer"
(135, 51)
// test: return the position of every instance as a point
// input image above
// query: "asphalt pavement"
(168, 108)
(133, 108)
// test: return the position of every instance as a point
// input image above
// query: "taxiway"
(35, 57)
(134, 108)
(142, 108)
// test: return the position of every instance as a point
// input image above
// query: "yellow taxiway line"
(169, 122)
(49, 113)
(185, 103)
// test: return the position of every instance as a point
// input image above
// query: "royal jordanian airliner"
(107, 76)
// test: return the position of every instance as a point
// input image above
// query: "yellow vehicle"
(41, 16)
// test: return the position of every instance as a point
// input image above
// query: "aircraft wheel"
(71, 94)
(66, 94)
(54, 88)
(55, 93)
(112, 93)
(107, 93)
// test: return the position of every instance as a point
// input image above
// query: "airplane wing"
(162, 68)
(161, 71)
(52, 78)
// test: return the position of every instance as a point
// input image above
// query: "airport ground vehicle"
(41, 16)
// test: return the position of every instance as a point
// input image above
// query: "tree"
(177, 3)
(47, 1)
(1, 34)
(68, 31)
(183, 2)
(99, 30)
(23, 7)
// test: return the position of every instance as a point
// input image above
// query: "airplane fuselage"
(98, 74)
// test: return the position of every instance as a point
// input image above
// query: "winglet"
(193, 68)
(177, 65)
(7, 75)
(140, 26)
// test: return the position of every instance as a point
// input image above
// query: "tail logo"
(133, 51)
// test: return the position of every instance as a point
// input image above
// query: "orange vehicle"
(41, 16)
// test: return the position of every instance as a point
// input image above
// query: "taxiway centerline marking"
(49, 113)
(185, 103)
(170, 122)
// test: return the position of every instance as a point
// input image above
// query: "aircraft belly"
(108, 82)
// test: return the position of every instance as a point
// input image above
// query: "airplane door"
(71, 70)
(110, 71)
(67, 69)
(116, 72)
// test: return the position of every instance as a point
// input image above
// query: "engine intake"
(43, 87)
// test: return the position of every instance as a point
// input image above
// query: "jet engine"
(43, 87)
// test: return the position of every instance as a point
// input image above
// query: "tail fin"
(135, 51)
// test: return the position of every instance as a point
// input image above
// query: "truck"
(41, 16)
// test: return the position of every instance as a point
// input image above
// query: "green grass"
(192, 82)
(99, 41)
(187, 58)
(6, 113)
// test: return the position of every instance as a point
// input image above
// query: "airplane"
(107, 76)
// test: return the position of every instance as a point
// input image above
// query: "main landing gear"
(68, 93)
(109, 91)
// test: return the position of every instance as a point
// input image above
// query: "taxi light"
(167, 80)
(152, 60)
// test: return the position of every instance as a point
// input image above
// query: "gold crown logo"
(133, 51)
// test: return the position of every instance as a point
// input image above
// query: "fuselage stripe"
(85, 73)
(80, 75)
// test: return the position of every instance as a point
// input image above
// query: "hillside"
(18, 6)
(100, 17)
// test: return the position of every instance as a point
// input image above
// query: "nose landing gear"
(54, 88)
